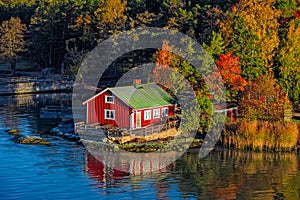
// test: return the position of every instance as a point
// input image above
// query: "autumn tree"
(230, 71)
(227, 64)
(12, 41)
(111, 18)
(173, 71)
(264, 100)
(250, 30)
(83, 24)
(162, 68)
(288, 66)
(166, 60)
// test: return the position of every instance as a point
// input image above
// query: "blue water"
(64, 170)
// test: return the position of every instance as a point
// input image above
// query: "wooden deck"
(98, 132)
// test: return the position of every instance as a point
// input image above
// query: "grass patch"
(138, 147)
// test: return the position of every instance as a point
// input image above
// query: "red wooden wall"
(96, 108)
(152, 120)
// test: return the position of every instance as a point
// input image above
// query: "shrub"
(265, 101)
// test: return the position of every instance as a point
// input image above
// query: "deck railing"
(96, 128)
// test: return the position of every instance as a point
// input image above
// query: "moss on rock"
(12, 131)
(31, 140)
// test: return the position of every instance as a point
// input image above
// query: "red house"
(130, 107)
(229, 109)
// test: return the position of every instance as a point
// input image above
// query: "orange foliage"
(162, 68)
(83, 20)
(231, 72)
(164, 55)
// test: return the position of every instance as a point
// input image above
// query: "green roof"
(143, 95)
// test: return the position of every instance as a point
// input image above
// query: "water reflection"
(21, 111)
(220, 175)
(240, 175)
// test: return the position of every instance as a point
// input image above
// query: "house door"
(138, 120)
(165, 114)
(131, 120)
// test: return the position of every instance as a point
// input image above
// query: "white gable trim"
(107, 89)
(95, 96)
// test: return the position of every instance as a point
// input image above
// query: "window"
(109, 99)
(147, 114)
(156, 113)
(165, 112)
(109, 114)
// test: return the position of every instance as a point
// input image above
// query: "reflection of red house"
(133, 106)
(229, 109)
(102, 173)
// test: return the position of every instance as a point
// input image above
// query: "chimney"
(137, 81)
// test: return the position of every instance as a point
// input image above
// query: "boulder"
(31, 140)
(12, 131)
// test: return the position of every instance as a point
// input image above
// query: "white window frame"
(156, 113)
(111, 118)
(147, 116)
(108, 96)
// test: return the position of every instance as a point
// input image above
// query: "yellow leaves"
(226, 26)
(111, 11)
(289, 54)
(172, 23)
(261, 18)
(293, 32)
(13, 3)
(145, 18)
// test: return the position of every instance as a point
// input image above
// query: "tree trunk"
(13, 67)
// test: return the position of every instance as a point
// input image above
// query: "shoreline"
(67, 132)
(31, 85)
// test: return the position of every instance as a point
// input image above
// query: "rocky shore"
(66, 130)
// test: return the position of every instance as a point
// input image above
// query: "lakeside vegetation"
(255, 45)
(261, 135)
